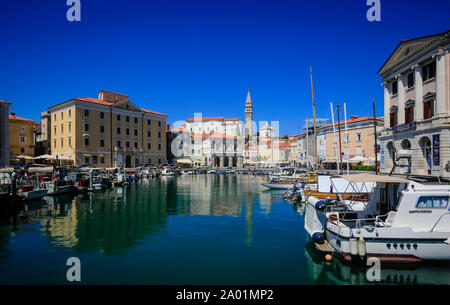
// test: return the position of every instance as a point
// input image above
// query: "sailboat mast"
(314, 121)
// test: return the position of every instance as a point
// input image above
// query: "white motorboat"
(57, 187)
(404, 221)
(167, 172)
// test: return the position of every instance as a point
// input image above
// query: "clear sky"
(186, 56)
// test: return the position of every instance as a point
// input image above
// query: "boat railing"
(439, 219)
(358, 222)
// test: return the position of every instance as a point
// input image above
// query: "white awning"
(184, 161)
(45, 157)
(371, 178)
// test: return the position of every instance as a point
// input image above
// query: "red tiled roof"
(221, 118)
(355, 120)
(222, 135)
(13, 117)
(5, 102)
(205, 119)
(102, 102)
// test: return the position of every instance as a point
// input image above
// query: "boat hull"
(277, 186)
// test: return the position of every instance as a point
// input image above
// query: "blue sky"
(186, 56)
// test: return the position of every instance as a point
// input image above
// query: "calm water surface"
(205, 229)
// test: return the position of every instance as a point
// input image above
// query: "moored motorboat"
(404, 221)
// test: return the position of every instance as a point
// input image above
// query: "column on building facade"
(387, 105)
(230, 161)
(418, 88)
(401, 100)
(240, 161)
(221, 161)
(440, 82)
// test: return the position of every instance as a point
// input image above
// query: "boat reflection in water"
(337, 272)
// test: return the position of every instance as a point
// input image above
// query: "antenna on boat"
(314, 120)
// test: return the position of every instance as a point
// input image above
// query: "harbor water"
(199, 229)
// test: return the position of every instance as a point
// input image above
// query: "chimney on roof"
(353, 117)
(12, 111)
(111, 97)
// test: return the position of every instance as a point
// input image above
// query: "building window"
(127, 119)
(429, 71)
(127, 131)
(54, 143)
(94, 159)
(149, 122)
(159, 134)
(411, 80)
(119, 144)
(118, 130)
(358, 137)
(127, 144)
(62, 128)
(102, 128)
(136, 132)
(135, 144)
(393, 118)
(149, 161)
(54, 117)
(70, 113)
(428, 109)
(86, 127)
(22, 150)
(102, 115)
(149, 145)
(70, 127)
(358, 150)
(135, 120)
(409, 114)
(159, 146)
(86, 113)
(102, 160)
(70, 142)
(159, 161)
(394, 87)
(159, 123)
(86, 141)
(86, 159)
(22, 139)
(102, 143)
(118, 117)
(54, 130)
(62, 115)
(62, 143)
(149, 133)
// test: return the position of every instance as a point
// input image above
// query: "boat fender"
(320, 206)
(318, 237)
(353, 246)
(361, 247)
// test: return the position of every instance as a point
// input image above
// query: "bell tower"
(248, 116)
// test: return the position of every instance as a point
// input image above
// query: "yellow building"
(110, 131)
(21, 137)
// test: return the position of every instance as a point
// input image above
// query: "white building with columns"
(215, 141)
(416, 80)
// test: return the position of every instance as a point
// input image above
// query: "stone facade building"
(21, 136)
(416, 80)
(108, 131)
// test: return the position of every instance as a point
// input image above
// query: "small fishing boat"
(167, 172)
(30, 192)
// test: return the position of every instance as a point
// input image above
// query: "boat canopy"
(371, 178)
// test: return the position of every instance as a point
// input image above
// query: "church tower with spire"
(248, 116)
